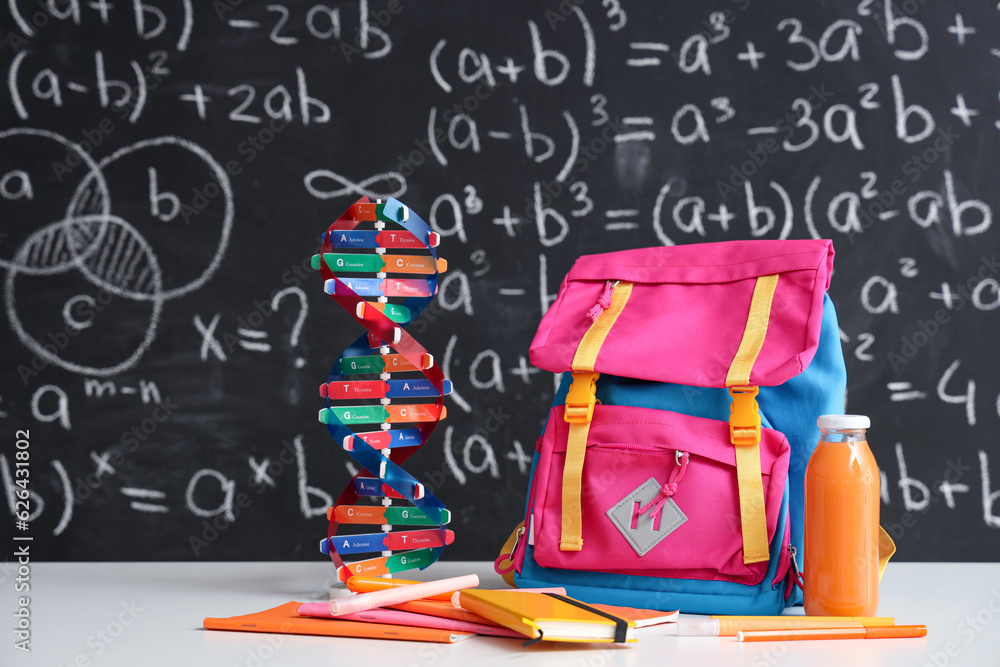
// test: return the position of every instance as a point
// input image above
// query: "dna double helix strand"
(377, 385)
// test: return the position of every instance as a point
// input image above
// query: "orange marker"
(728, 626)
(360, 584)
(888, 632)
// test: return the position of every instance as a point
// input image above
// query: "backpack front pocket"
(660, 496)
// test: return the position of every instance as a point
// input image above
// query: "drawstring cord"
(668, 489)
(603, 302)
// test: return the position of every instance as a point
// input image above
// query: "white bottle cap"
(841, 422)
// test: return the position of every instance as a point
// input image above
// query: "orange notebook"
(285, 620)
(549, 617)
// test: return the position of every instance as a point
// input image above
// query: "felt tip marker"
(366, 601)
(728, 626)
(887, 632)
(362, 584)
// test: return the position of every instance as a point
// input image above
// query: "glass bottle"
(841, 529)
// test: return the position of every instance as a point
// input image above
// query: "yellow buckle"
(744, 416)
(581, 398)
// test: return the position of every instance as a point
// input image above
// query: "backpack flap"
(687, 313)
(737, 314)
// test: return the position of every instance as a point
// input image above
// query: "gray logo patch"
(641, 531)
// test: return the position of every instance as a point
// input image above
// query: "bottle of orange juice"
(841, 521)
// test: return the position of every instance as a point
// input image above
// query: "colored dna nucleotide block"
(386, 385)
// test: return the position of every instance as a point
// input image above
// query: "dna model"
(362, 276)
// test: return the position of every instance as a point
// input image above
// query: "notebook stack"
(450, 618)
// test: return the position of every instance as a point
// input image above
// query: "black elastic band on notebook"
(621, 625)
(540, 637)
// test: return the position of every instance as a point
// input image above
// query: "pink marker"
(366, 601)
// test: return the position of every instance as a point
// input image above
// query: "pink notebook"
(396, 617)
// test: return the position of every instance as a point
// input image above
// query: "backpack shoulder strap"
(744, 422)
(579, 411)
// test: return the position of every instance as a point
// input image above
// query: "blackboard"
(172, 415)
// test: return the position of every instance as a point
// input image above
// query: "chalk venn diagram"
(93, 248)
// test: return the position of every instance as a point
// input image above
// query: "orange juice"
(841, 521)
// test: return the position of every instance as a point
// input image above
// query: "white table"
(150, 614)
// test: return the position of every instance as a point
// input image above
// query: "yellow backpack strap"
(744, 422)
(580, 403)
(886, 548)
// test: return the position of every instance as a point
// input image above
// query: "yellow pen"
(728, 626)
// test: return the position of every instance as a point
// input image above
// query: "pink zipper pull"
(668, 489)
(604, 302)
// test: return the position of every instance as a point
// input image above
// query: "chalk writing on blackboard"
(157, 158)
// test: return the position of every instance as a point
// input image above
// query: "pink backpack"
(669, 473)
